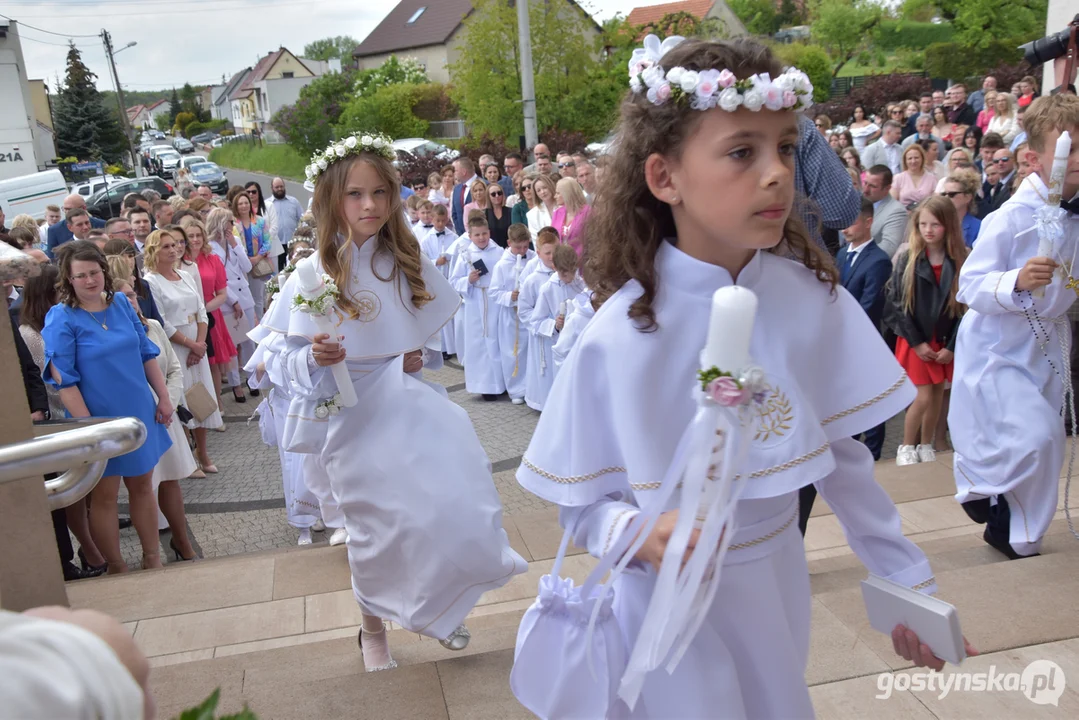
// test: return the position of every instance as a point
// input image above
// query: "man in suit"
(60, 233)
(464, 172)
(864, 270)
(886, 151)
(889, 216)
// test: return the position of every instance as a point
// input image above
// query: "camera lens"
(1049, 48)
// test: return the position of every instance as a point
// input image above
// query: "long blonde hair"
(572, 195)
(394, 237)
(944, 211)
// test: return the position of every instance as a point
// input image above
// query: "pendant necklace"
(99, 322)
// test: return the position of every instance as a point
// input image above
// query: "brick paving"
(241, 509)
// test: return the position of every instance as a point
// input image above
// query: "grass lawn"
(269, 159)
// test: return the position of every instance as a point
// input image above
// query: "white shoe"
(305, 537)
(517, 401)
(340, 536)
(907, 455)
(926, 453)
(458, 639)
(380, 648)
(319, 526)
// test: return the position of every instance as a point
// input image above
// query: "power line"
(217, 9)
(48, 32)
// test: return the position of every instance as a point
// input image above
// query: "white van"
(30, 194)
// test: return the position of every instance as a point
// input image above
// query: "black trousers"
(63, 537)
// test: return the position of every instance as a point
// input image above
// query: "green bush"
(895, 34)
(814, 62)
(269, 159)
(959, 62)
(198, 127)
(388, 110)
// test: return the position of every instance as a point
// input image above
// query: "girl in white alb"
(424, 520)
(624, 395)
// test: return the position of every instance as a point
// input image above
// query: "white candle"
(730, 329)
(1060, 167)
(311, 286)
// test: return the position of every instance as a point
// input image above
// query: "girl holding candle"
(925, 316)
(625, 394)
(424, 520)
(1009, 443)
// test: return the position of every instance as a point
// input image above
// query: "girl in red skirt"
(925, 317)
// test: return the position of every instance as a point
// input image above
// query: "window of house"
(288, 74)
(416, 15)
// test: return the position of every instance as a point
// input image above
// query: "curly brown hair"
(86, 251)
(628, 223)
(394, 237)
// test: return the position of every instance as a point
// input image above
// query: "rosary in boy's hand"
(1038, 272)
(326, 353)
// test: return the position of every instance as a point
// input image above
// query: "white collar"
(686, 273)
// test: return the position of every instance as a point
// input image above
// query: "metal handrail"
(81, 452)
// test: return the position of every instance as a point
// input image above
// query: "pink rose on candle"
(726, 392)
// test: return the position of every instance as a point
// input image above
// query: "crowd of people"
(506, 267)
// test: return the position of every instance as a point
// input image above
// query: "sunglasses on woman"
(952, 193)
(526, 187)
(494, 194)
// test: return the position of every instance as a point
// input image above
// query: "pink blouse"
(908, 193)
(983, 119)
(575, 235)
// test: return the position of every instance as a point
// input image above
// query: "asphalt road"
(242, 177)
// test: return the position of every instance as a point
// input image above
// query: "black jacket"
(930, 318)
(36, 397)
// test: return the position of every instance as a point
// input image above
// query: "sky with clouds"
(196, 41)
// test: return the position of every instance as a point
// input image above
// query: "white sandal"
(392, 664)
(458, 639)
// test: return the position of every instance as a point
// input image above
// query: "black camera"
(1048, 49)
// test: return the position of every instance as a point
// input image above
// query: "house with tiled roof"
(429, 31)
(142, 116)
(274, 81)
(647, 16)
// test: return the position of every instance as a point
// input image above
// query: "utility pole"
(528, 86)
(107, 39)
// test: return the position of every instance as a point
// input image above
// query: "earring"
(674, 200)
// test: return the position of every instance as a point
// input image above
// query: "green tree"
(174, 107)
(389, 110)
(845, 28)
(391, 72)
(789, 14)
(486, 77)
(183, 120)
(85, 128)
(980, 22)
(759, 16)
(339, 47)
(308, 125)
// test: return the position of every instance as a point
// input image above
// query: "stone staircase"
(277, 630)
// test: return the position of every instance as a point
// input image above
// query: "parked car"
(106, 204)
(167, 163)
(183, 145)
(418, 147)
(95, 185)
(203, 138)
(222, 139)
(188, 160)
(211, 175)
(30, 194)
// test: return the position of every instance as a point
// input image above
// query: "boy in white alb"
(461, 245)
(536, 369)
(548, 318)
(1011, 351)
(581, 312)
(512, 333)
(437, 246)
(472, 279)
(425, 223)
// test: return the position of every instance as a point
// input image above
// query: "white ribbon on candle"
(311, 286)
(1049, 219)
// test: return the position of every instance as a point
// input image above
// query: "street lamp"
(107, 39)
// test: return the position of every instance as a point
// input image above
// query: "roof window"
(416, 15)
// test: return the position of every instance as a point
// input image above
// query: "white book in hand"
(935, 622)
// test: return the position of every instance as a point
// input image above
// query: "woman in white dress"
(184, 312)
(862, 128)
(240, 304)
(1005, 120)
(540, 216)
(424, 520)
(177, 463)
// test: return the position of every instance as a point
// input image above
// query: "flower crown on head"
(352, 145)
(707, 89)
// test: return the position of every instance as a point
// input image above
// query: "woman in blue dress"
(98, 355)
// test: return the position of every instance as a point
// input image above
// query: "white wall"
(281, 92)
(18, 155)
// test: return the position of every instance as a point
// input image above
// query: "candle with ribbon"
(1049, 219)
(317, 297)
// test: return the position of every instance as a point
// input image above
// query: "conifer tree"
(85, 127)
